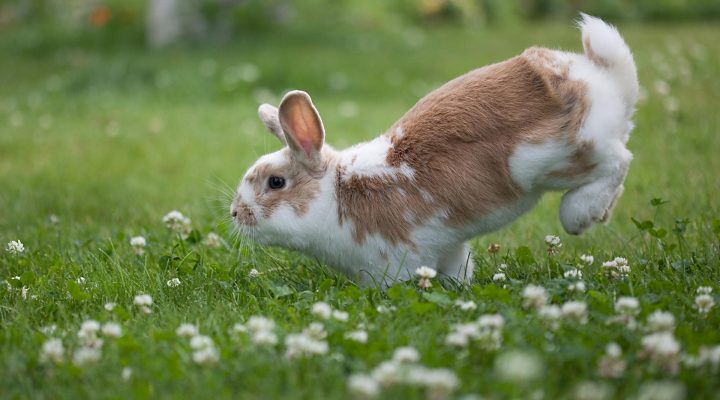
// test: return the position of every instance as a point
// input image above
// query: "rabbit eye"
(276, 182)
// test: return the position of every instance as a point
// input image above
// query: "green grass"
(109, 140)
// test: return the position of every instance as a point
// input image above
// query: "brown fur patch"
(246, 215)
(458, 140)
(580, 163)
(590, 53)
(301, 188)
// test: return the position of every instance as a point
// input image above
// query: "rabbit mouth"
(244, 215)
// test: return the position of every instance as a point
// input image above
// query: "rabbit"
(467, 159)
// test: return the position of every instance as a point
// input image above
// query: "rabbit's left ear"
(269, 116)
(302, 126)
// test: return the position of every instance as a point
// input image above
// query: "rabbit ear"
(269, 116)
(302, 126)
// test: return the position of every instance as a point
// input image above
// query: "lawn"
(97, 144)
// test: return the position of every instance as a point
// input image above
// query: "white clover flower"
(617, 268)
(89, 327)
(187, 330)
(613, 350)
(502, 267)
(457, 339)
(89, 339)
(385, 309)
(138, 241)
(575, 310)
(52, 351)
(424, 275)
(321, 310)
(587, 259)
(143, 300)
(553, 241)
(387, 373)
(487, 331)
(661, 321)
(206, 356)
(265, 338)
(704, 290)
(179, 223)
(253, 273)
(126, 374)
(662, 350)
(709, 356)
(534, 296)
(199, 342)
(550, 314)
(174, 282)
(704, 303)
(425, 272)
(15, 247)
(359, 336)
(440, 382)
(315, 331)
(518, 366)
(300, 345)
(491, 321)
(363, 386)
(623, 267)
(578, 286)
(239, 328)
(609, 264)
(84, 356)
(111, 330)
(499, 277)
(612, 365)
(81, 280)
(623, 270)
(406, 354)
(629, 306)
(109, 306)
(341, 316)
(573, 274)
(138, 244)
(258, 323)
(466, 305)
(212, 240)
(470, 330)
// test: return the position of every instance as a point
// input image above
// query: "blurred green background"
(107, 22)
(115, 112)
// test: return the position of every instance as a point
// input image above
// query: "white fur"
(369, 159)
(607, 43)
(612, 91)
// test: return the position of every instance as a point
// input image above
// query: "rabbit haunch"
(468, 158)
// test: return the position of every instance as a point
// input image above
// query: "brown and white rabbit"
(468, 158)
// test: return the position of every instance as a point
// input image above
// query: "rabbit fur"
(468, 158)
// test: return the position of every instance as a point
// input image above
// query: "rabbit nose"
(234, 213)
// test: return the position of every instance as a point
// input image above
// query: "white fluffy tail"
(606, 48)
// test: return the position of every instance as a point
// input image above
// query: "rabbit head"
(276, 193)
